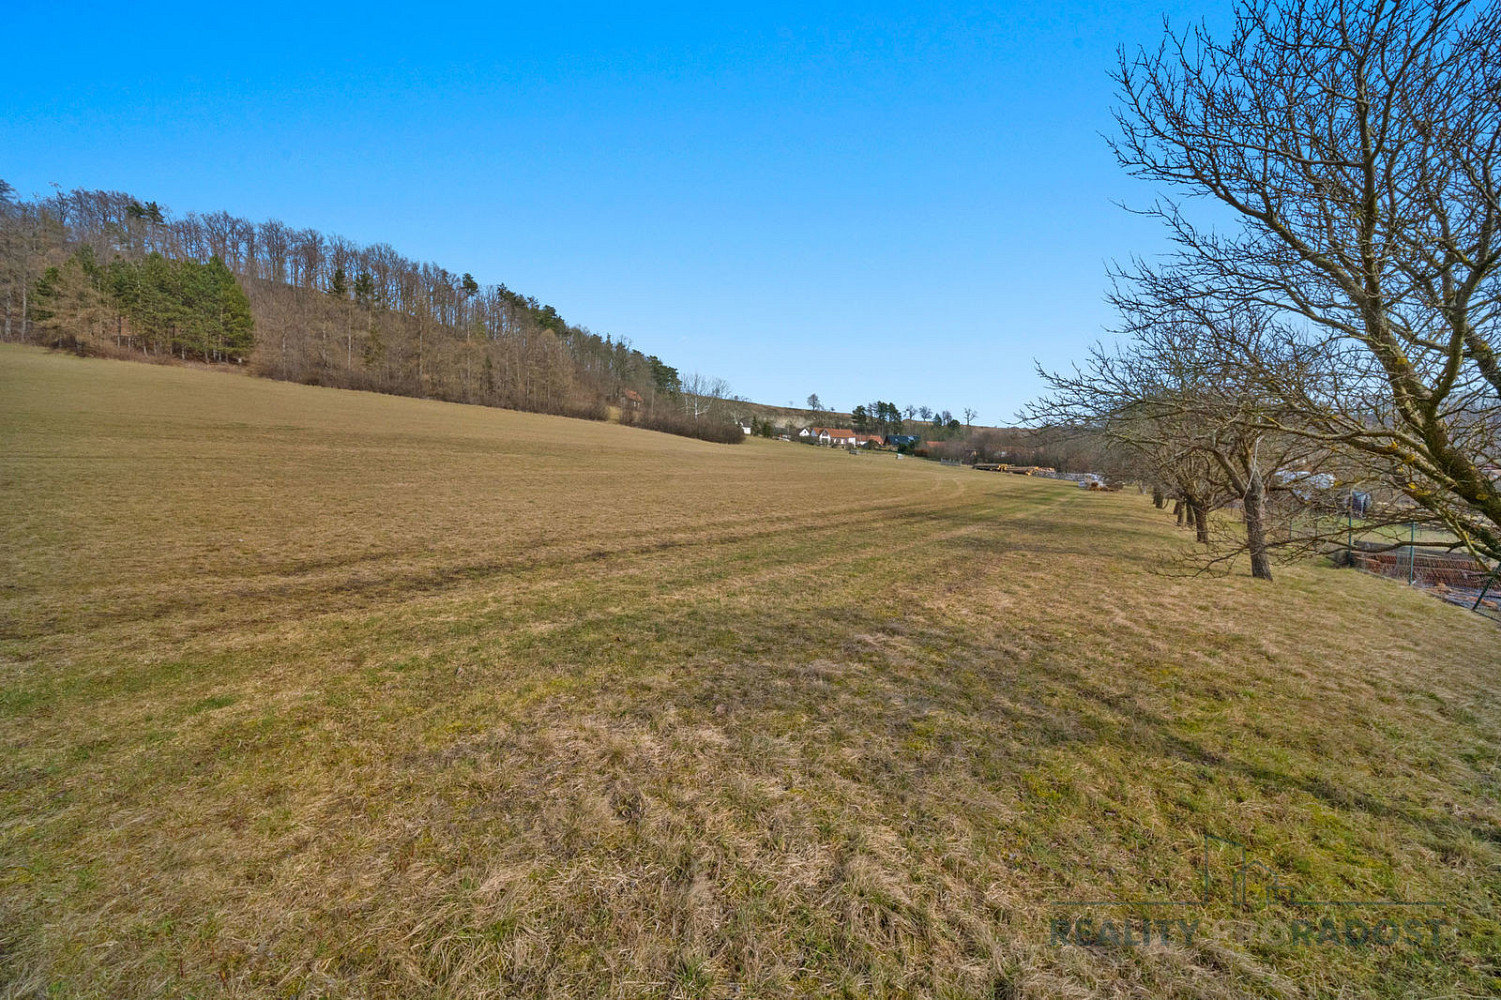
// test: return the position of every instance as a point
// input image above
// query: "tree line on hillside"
(1335, 350)
(102, 272)
(886, 418)
(881, 417)
(1023, 446)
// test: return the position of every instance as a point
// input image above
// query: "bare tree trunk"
(1201, 523)
(1178, 511)
(1255, 504)
(1158, 500)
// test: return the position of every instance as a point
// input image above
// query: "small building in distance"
(869, 440)
(835, 437)
(902, 440)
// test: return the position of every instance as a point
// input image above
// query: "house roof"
(862, 438)
(834, 432)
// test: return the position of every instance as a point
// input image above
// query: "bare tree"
(1199, 427)
(703, 394)
(1357, 143)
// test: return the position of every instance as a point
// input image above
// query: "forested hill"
(102, 272)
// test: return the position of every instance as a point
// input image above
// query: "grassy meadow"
(313, 693)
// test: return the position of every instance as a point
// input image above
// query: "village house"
(835, 437)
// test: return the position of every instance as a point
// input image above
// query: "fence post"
(1412, 551)
(1486, 589)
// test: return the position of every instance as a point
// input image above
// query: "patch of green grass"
(210, 703)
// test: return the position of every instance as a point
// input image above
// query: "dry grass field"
(310, 693)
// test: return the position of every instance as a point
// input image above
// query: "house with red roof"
(835, 437)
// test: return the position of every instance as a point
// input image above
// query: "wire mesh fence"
(1456, 577)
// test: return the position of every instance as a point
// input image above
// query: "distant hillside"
(101, 272)
(782, 416)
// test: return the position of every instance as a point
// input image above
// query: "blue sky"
(856, 200)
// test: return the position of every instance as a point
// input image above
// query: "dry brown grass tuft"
(318, 693)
